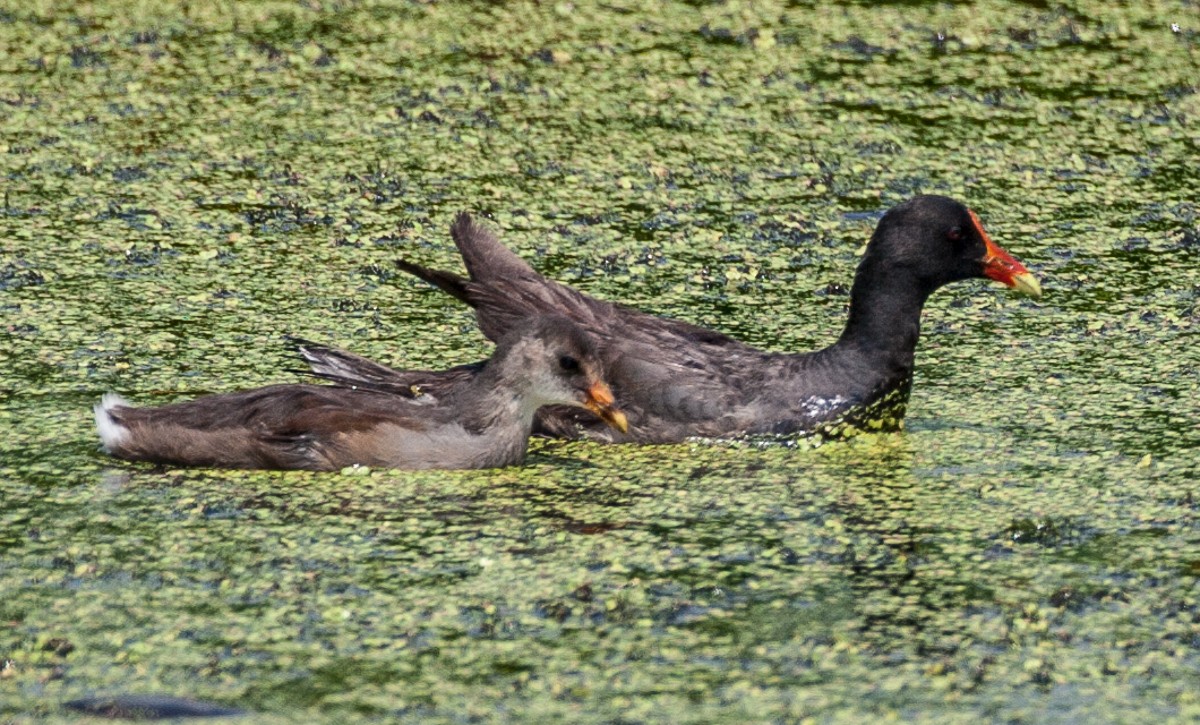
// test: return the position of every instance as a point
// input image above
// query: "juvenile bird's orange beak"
(1004, 268)
(599, 400)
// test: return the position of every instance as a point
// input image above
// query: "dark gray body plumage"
(675, 380)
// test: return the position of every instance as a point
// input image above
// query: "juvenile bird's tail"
(113, 435)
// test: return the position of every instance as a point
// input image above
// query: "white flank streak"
(111, 432)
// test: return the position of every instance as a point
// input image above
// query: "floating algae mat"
(184, 185)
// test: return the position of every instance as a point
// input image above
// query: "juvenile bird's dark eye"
(955, 234)
(568, 363)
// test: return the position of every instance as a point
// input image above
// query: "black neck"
(885, 316)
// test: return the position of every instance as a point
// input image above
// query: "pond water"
(185, 185)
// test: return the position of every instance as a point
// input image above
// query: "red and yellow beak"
(599, 400)
(1004, 268)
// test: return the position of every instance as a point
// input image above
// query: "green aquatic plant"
(186, 183)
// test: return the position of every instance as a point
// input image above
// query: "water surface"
(185, 185)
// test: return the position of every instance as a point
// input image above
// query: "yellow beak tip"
(602, 405)
(1027, 284)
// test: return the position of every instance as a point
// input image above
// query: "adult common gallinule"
(478, 421)
(675, 380)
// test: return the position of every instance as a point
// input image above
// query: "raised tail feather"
(348, 369)
(447, 282)
(354, 371)
(486, 258)
(502, 287)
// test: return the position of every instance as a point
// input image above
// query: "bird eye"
(568, 363)
(955, 234)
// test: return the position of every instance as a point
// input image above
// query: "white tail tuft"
(112, 433)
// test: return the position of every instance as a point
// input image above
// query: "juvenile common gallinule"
(675, 380)
(478, 421)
